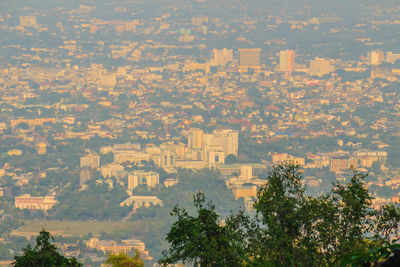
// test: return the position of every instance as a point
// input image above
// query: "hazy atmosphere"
(285, 114)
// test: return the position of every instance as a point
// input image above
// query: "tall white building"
(222, 57)
(375, 57)
(195, 138)
(286, 60)
(228, 140)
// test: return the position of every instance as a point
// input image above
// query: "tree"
(388, 222)
(290, 228)
(203, 240)
(231, 159)
(123, 260)
(282, 206)
(353, 202)
(44, 254)
(307, 230)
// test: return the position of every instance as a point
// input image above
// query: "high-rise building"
(375, 57)
(249, 57)
(227, 140)
(222, 57)
(320, 67)
(195, 139)
(286, 60)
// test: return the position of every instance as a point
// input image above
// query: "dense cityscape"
(113, 112)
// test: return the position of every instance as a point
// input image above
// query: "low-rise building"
(35, 203)
(141, 201)
(112, 247)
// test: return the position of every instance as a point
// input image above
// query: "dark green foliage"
(369, 256)
(158, 220)
(281, 205)
(290, 229)
(8, 224)
(231, 159)
(203, 240)
(190, 183)
(388, 222)
(353, 212)
(44, 254)
(98, 201)
(123, 260)
(312, 231)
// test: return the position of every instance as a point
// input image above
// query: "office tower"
(249, 57)
(226, 140)
(320, 67)
(195, 139)
(222, 57)
(286, 60)
(375, 57)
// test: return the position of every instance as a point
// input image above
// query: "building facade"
(35, 203)
(249, 57)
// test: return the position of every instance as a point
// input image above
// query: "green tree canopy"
(43, 254)
(203, 240)
(124, 260)
(290, 228)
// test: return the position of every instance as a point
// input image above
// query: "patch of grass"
(71, 228)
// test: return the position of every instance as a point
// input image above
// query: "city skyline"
(116, 111)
